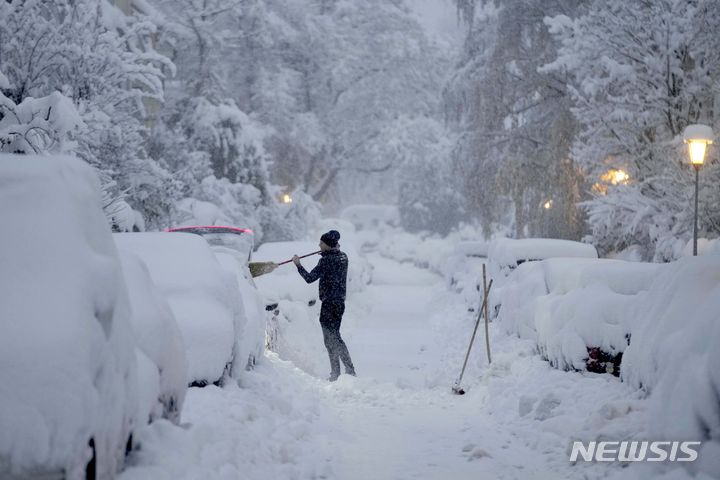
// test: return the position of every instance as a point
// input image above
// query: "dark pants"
(331, 314)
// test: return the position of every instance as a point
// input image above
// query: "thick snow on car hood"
(65, 348)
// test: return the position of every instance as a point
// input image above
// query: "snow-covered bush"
(673, 353)
(426, 205)
(67, 357)
(37, 125)
(158, 336)
(202, 295)
(299, 338)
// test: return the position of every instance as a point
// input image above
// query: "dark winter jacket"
(332, 272)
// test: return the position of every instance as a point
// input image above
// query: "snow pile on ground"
(674, 355)
(202, 295)
(274, 425)
(67, 361)
(158, 336)
(299, 337)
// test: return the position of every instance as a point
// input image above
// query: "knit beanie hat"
(331, 238)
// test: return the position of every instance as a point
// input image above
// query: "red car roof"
(210, 227)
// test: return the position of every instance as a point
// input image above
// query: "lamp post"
(698, 137)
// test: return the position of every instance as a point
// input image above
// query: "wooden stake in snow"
(456, 389)
(486, 289)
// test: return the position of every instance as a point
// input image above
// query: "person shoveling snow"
(331, 270)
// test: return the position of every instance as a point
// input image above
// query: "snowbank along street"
(397, 419)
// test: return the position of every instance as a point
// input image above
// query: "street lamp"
(698, 137)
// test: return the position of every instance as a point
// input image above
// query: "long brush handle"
(303, 256)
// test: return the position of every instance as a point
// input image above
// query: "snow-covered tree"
(212, 145)
(428, 197)
(100, 59)
(514, 120)
(641, 72)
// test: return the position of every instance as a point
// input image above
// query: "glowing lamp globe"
(698, 137)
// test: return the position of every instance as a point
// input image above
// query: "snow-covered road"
(398, 419)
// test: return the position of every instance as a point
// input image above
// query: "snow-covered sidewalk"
(398, 419)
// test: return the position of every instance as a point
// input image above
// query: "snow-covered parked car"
(241, 240)
(233, 247)
(252, 340)
(68, 372)
(463, 267)
(203, 297)
(160, 341)
(572, 309)
(505, 254)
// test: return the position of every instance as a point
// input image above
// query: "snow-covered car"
(463, 266)
(159, 339)
(505, 254)
(252, 339)
(233, 248)
(202, 295)
(241, 240)
(572, 308)
(68, 371)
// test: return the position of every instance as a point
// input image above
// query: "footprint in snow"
(477, 454)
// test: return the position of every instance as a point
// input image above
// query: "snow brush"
(261, 268)
(456, 389)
